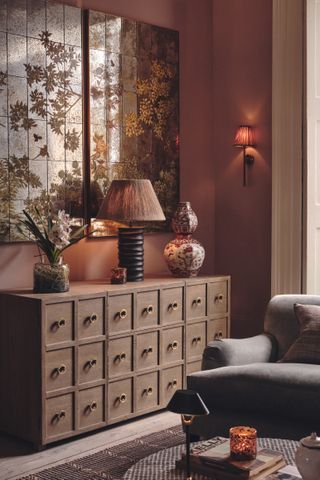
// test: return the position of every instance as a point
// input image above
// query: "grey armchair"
(242, 383)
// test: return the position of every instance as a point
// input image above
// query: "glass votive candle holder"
(118, 275)
(243, 443)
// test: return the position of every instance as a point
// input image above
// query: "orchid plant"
(54, 235)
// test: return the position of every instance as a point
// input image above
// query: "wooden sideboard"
(100, 353)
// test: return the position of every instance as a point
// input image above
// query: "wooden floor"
(17, 458)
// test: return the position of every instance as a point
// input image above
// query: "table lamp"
(189, 404)
(131, 202)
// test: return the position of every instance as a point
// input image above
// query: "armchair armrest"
(232, 351)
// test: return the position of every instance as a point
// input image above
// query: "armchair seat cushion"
(289, 390)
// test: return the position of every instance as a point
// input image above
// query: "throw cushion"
(306, 349)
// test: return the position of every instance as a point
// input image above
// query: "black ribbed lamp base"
(131, 252)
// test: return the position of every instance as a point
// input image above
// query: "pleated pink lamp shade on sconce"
(245, 138)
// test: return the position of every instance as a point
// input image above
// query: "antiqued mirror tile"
(72, 18)
(18, 177)
(55, 21)
(38, 148)
(3, 15)
(144, 40)
(97, 30)
(17, 16)
(56, 150)
(74, 110)
(73, 142)
(129, 73)
(18, 143)
(73, 65)
(3, 54)
(4, 152)
(73, 181)
(129, 37)
(36, 18)
(113, 34)
(17, 55)
(38, 173)
(36, 62)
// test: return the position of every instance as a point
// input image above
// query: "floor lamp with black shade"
(189, 405)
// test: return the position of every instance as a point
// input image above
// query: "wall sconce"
(245, 138)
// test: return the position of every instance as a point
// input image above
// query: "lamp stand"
(247, 162)
(187, 421)
(130, 252)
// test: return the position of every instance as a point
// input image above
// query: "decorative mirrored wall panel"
(40, 111)
(134, 110)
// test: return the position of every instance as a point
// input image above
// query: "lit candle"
(118, 275)
(243, 443)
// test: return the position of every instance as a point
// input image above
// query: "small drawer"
(218, 297)
(193, 367)
(196, 301)
(120, 399)
(196, 339)
(59, 322)
(120, 313)
(172, 303)
(59, 415)
(147, 391)
(91, 362)
(120, 356)
(59, 369)
(217, 329)
(172, 345)
(172, 380)
(147, 309)
(147, 350)
(91, 407)
(90, 317)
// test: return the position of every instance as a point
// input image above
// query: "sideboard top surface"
(94, 287)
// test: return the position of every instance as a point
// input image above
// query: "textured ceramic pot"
(51, 278)
(184, 220)
(308, 457)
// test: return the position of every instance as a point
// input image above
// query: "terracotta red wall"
(242, 48)
(193, 19)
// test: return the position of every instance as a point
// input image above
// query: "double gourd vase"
(184, 255)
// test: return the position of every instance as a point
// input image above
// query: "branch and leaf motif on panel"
(51, 96)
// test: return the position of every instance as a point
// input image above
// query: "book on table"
(212, 458)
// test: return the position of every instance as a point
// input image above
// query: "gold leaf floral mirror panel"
(132, 101)
(134, 110)
(40, 111)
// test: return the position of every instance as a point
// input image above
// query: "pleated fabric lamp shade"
(131, 201)
(244, 136)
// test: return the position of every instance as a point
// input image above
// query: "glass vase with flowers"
(52, 235)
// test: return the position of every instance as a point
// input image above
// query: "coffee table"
(161, 465)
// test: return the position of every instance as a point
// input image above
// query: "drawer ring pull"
(123, 398)
(59, 416)
(149, 309)
(220, 334)
(148, 391)
(123, 313)
(196, 340)
(175, 305)
(173, 345)
(197, 301)
(219, 298)
(120, 357)
(93, 406)
(58, 324)
(148, 350)
(173, 384)
(93, 318)
(60, 370)
(91, 363)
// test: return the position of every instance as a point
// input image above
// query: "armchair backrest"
(280, 320)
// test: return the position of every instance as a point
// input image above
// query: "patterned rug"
(112, 463)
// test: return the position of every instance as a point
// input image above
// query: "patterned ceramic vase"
(184, 255)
